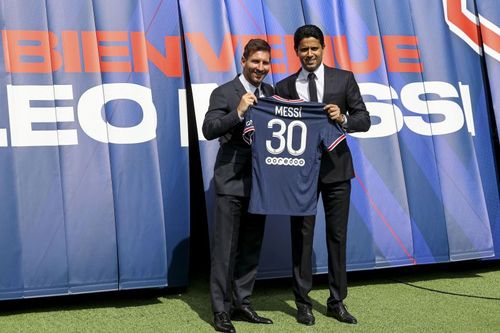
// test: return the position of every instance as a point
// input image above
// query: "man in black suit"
(237, 234)
(340, 92)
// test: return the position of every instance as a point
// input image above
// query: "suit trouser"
(336, 199)
(236, 244)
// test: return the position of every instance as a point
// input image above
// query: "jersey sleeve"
(249, 128)
(332, 135)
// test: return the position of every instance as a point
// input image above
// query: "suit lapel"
(292, 88)
(329, 84)
(267, 89)
(238, 86)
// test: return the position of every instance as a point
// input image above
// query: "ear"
(243, 61)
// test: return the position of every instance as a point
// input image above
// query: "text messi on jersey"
(288, 111)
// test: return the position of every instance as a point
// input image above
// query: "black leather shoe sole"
(249, 316)
(224, 328)
(307, 322)
(222, 323)
(305, 317)
(346, 320)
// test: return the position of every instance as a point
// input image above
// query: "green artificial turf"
(458, 297)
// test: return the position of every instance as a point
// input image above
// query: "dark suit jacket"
(233, 166)
(340, 89)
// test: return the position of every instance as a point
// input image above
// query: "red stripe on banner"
(383, 218)
(490, 38)
(461, 21)
(154, 16)
(145, 33)
(251, 17)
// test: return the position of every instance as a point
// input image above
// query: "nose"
(260, 66)
(309, 52)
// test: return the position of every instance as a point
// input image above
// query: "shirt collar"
(247, 85)
(320, 73)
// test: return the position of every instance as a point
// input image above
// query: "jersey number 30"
(282, 141)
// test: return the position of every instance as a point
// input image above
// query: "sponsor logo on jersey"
(285, 161)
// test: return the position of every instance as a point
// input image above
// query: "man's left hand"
(334, 113)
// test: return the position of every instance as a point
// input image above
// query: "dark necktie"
(313, 92)
(256, 93)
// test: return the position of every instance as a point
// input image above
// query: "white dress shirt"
(302, 83)
(249, 87)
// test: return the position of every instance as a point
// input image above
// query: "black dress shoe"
(222, 323)
(305, 315)
(338, 311)
(246, 313)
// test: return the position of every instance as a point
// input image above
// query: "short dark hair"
(255, 45)
(305, 31)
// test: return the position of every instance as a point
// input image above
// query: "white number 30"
(279, 134)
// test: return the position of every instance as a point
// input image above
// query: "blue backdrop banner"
(94, 177)
(426, 189)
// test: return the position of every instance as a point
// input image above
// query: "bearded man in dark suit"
(339, 91)
(237, 235)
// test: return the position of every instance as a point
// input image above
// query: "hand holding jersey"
(334, 113)
(246, 101)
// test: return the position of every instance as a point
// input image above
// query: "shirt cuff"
(344, 123)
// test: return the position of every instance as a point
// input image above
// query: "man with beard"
(237, 234)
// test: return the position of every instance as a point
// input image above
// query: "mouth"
(258, 75)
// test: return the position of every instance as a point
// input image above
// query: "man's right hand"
(246, 100)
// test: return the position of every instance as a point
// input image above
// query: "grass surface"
(459, 297)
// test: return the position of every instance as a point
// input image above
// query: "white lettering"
(303, 138)
(437, 115)
(288, 111)
(277, 134)
(469, 115)
(3, 137)
(23, 115)
(434, 107)
(452, 118)
(390, 115)
(97, 127)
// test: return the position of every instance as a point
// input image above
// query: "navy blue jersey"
(287, 138)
